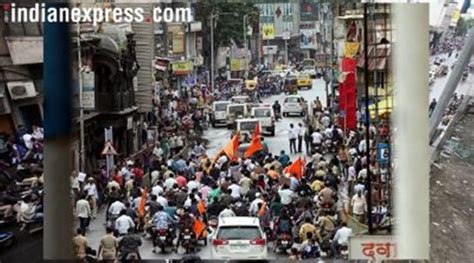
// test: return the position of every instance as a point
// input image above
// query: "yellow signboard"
(456, 16)
(268, 31)
(178, 43)
(237, 64)
(182, 67)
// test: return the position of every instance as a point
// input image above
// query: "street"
(217, 138)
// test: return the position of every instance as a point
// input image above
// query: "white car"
(219, 112)
(246, 127)
(239, 238)
(294, 104)
(235, 111)
(266, 117)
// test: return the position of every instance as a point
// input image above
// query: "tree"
(464, 25)
(228, 26)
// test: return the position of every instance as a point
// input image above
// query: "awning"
(384, 107)
(25, 50)
(378, 60)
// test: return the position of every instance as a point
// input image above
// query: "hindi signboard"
(372, 248)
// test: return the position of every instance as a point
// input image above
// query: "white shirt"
(235, 190)
(27, 139)
(91, 190)
(254, 206)
(299, 131)
(162, 201)
(226, 213)
(286, 196)
(292, 133)
(116, 207)
(157, 190)
(169, 183)
(75, 183)
(123, 223)
(193, 185)
(342, 235)
(359, 205)
(83, 209)
(317, 137)
(125, 173)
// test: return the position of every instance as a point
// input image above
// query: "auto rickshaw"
(291, 85)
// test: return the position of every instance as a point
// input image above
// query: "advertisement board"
(309, 11)
(88, 90)
(182, 67)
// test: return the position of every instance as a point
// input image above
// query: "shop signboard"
(88, 90)
(237, 64)
(268, 31)
(182, 67)
(372, 248)
(309, 11)
(178, 43)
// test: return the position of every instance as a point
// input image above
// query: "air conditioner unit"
(21, 89)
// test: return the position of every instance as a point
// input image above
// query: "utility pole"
(451, 84)
(333, 80)
(212, 52)
(245, 44)
(82, 152)
(367, 120)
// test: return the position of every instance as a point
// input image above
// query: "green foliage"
(229, 21)
(464, 25)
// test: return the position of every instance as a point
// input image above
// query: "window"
(262, 113)
(248, 126)
(221, 107)
(292, 100)
(239, 233)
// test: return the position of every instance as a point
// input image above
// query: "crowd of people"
(182, 190)
(21, 182)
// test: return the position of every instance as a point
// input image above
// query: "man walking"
(292, 135)
(83, 212)
(300, 132)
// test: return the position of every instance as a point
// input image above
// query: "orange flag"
(256, 144)
(199, 227)
(231, 148)
(256, 132)
(141, 206)
(201, 208)
(296, 168)
(261, 212)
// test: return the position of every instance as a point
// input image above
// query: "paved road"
(218, 137)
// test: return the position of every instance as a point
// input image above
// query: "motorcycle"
(344, 252)
(188, 240)
(164, 239)
(284, 242)
(6, 239)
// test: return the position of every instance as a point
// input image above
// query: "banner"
(182, 67)
(178, 43)
(348, 65)
(351, 49)
(237, 64)
(308, 38)
(309, 11)
(268, 31)
(372, 248)
(348, 102)
(88, 90)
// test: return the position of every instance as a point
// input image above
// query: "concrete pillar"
(411, 134)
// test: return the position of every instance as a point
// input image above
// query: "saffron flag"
(262, 209)
(256, 144)
(199, 228)
(201, 208)
(141, 205)
(231, 148)
(296, 168)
